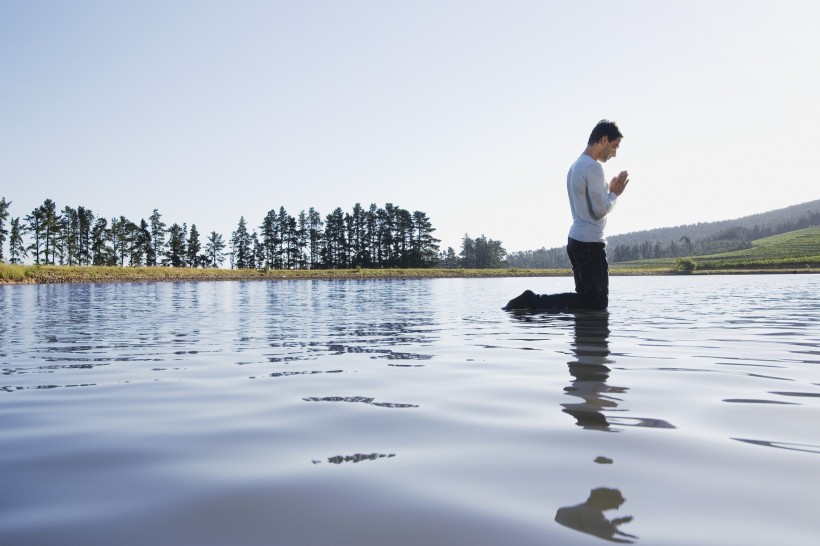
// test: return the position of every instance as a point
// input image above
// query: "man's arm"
(602, 196)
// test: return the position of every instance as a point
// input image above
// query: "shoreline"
(29, 274)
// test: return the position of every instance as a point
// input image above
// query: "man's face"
(609, 149)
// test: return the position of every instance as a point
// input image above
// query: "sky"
(471, 111)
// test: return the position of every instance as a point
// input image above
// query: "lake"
(410, 412)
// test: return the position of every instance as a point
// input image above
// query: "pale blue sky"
(470, 111)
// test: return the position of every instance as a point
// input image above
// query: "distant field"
(794, 250)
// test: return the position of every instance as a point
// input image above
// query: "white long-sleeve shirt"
(589, 199)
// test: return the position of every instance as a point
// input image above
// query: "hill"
(699, 239)
(793, 250)
(761, 225)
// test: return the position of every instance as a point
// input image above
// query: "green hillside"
(792, 250)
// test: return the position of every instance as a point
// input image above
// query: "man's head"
(604, 140)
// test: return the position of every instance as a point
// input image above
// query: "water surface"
(410, 412)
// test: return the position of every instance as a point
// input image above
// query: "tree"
(175, 253)
(467, 254)
(270, 239)
(489, 254)
(335, 250)
(386, 219)
(315, 237)
(291, 243)
(241, 247)
(35, 226)
(157, 238)
(423, 247)
(403, 237)
(4, 214)
(213, 250)
(302, 227)
(192, 257)
(481, 253)
(50, 225)
(123, 235)
(69, 236)
(102, 253)
(142, 247)
(85, 222)
(371, 235)
(357, 236)
(257, 258)
(17, 249)
(449, 259)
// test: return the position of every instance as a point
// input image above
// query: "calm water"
(410, 413)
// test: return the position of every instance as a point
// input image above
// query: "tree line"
(478, 253)
(375, 237)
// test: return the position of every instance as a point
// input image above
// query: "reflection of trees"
(588, 517)
(357, 458)
(358, 399)
(336, 318)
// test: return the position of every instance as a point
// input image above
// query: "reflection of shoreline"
(588, 517)
(357, 458)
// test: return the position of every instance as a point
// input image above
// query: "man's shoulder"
(585, 164)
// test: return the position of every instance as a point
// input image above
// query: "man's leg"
(591, 274)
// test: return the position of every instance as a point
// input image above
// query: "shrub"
(686, 264)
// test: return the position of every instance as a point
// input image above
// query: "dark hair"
(605, 128)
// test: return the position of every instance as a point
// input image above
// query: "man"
(591, 199)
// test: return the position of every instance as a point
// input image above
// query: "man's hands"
(618, 184)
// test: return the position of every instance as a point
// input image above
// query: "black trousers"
(591, 272)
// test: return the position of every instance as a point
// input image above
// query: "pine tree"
(424, 245)
(241, 247)
(142, 247)
(468, 255)
(17, 248)
(70, 236)
(157, 238)
(257, 255)
(270, 239)
(291, 243)
(122, 239)
(335, 251)
(4, 214)
(85, 222)
(175, 252)
(192, 257)
(315, 237)
(449, 259)
(102, 253)
(50, 226)
(302, 241)
(213, 250)
(35, 226)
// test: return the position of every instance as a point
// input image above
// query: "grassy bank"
(30, 274)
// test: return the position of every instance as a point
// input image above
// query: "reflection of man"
(590, 370)
(588, 517)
